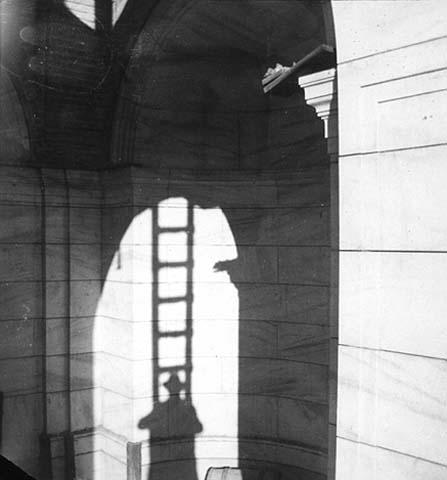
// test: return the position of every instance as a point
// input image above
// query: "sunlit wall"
(166, 311)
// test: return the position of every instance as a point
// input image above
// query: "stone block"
(304, 343)
(306, 188)
(85, 225)
(20, 338)
(85, 295)
(27, 375)
(82, 331)
(422, 115)
(57, 370)
(84, 188)
(257, 338)
(377, 26)
(117, 301)
(369, 462)
(20, 262)
(283, 378)
(57, 411)
(125, 376)
(83, 370)
(398, 209)
(303, 226)
(304, 265)
(85, 263)
(56, 224)
(115, 223)
(213, 337)
(57, 262)
(20, 185)
(22, 424)
(20, 223)
(259, 301)
(221, 192)
(112, 468)
(225, 424)
(86, 409)
(385, 397)
(57, 303)
(304, 423)
(394, 301)
(20, 300)
(258, 416)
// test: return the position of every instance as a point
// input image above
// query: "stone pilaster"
(320, 91)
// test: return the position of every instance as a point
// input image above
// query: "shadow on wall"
(194, 116)
(238, 332)
(66, 59)
(258, 297)
(174, 420)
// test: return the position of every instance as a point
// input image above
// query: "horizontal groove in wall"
(397, 352)
(392, 150)
(404, 77)
(402, 47)
(420, 94)
(397, 452)
(347, 250)
(238, 394)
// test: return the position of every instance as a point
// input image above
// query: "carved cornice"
(320, 92)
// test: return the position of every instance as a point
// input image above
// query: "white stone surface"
(394, 301)
(393, 401)
(369, 27)
(394, 201)
(371, 462)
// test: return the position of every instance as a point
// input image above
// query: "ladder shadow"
(173, 421)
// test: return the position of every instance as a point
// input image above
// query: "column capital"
(320, 92)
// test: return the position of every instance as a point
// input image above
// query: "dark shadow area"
(192, 113)
(9, 471)
(66, 63)
(174, 420)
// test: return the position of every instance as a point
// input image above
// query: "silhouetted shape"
(172, 424)
(9, 471)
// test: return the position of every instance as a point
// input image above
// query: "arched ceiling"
(184, 55)
(193, 83)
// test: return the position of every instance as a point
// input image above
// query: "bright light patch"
(85, 11)
(173, 247)
(172, 282)
(171, 351)
(173, 213)
(172, 317)
(134, 319)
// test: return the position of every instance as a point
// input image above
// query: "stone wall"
(78, 317)
(49, 288)
(392, 370)
(259, 317)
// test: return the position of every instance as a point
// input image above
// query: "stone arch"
(14, 133)
(189, 81)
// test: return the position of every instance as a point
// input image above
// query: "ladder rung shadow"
(174, 229)
(173, 299)
(174, 333)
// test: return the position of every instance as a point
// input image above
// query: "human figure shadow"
(173, 425)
